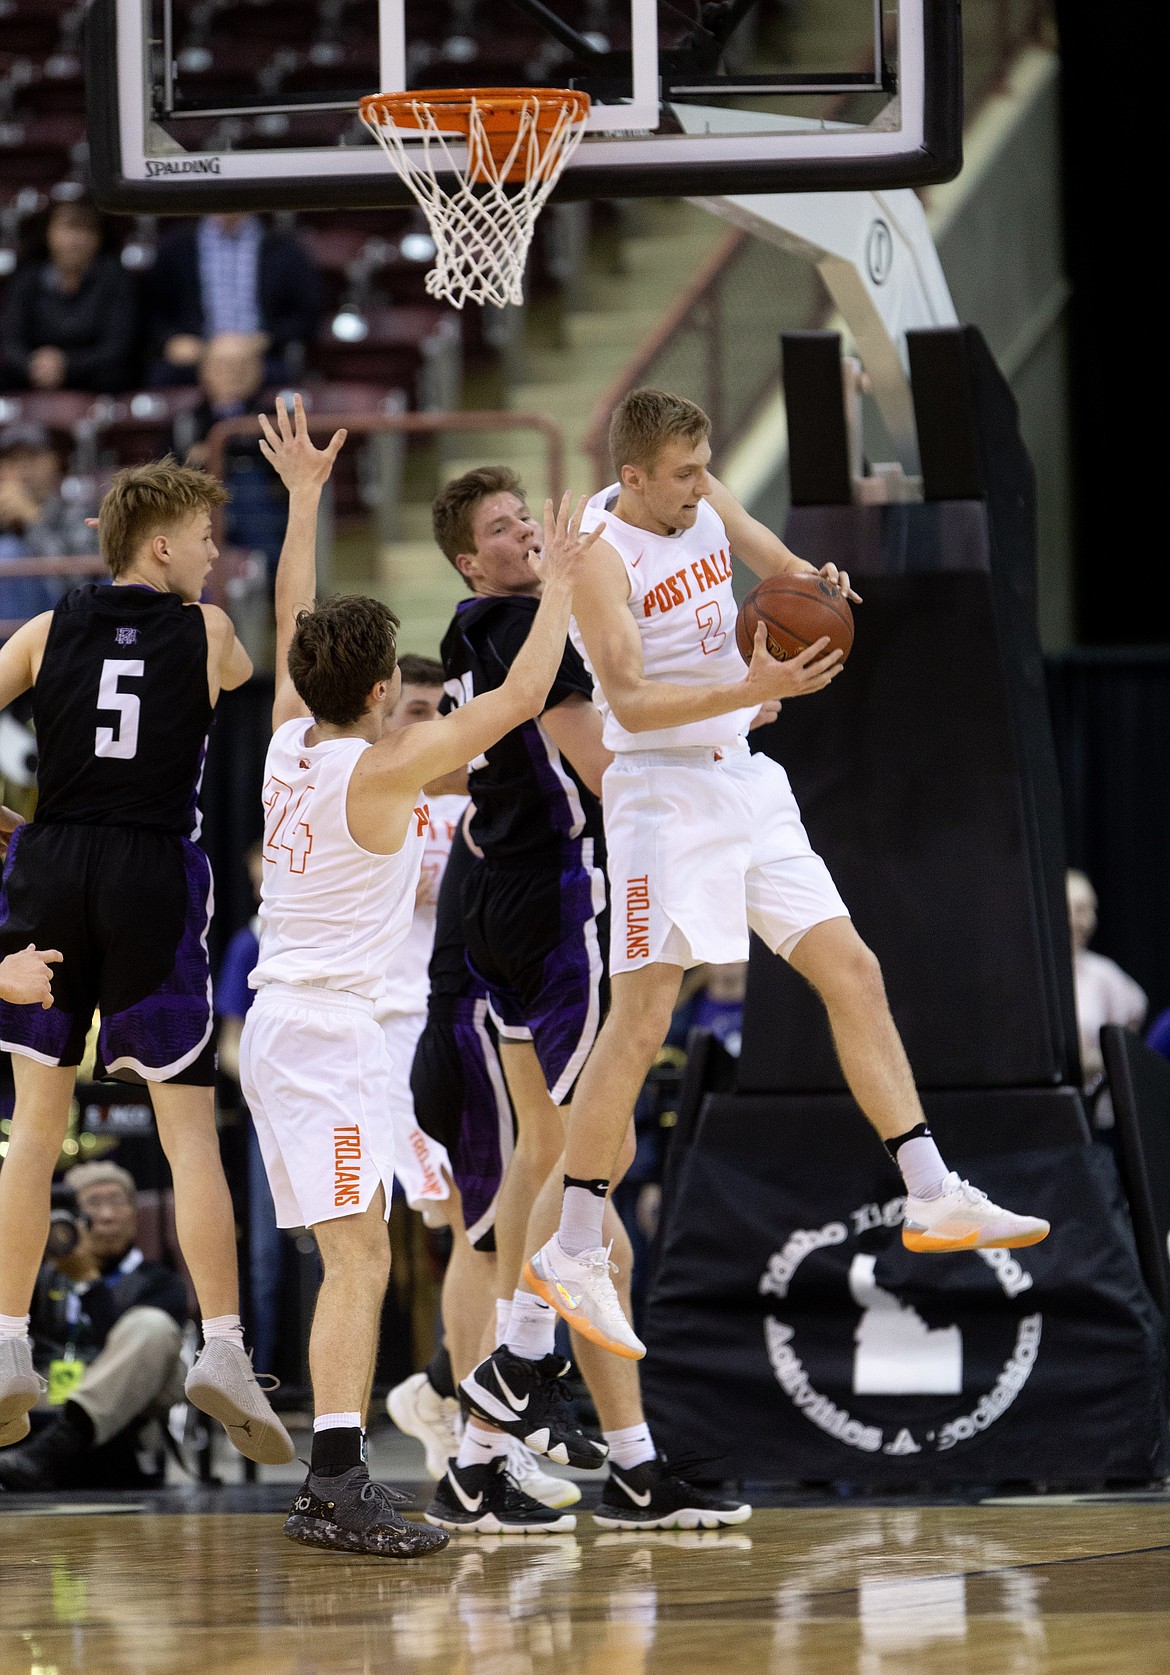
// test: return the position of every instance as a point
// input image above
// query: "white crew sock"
(14, 1328)
(226, 1328)
(923, 1169)
(503, 1315)
(480, 1446)
(532, 1327)
(338, 1422)
(581, 1216)
(631, 1447)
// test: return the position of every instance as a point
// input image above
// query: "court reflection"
(876, 1591)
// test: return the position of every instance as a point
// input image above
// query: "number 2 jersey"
(332, 914)
(683, 607)
(122, 711)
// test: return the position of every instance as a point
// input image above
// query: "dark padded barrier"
(818, 438)
(1139, 1082)
(792, 1338)
(927, 778)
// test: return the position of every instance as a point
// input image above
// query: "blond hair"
(148, 500)
(646, 420)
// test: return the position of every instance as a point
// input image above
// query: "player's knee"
(860, 975)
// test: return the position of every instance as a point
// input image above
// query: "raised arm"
(641, 705)
(416, 756)
(761, 549)
(304, 470)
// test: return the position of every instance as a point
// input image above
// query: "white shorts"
(317, 1076)
(421, 1164)
(702, 846)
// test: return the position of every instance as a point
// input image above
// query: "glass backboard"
(200, 105)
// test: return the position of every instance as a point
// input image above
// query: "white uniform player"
(314, 1063)
(694, 823)
(705, 842)
(421, 1163)
(345, 833)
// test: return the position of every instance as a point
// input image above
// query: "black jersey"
(448, 971)
(529, 801)
(122, 710)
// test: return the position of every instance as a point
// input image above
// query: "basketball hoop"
(518, 140)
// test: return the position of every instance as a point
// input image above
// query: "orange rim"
(500, 108)
(499, 114)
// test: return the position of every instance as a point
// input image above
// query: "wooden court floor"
(990, 1589)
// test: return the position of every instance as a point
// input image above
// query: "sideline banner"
(792, 1337)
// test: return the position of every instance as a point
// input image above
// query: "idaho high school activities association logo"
(936, 1353)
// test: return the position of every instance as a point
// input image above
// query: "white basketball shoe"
(417, 1408)
(963, 1218)
(580, 1290)
(524, 1470)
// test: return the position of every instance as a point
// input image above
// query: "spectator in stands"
(233, 998)
(70, 319)
(35, 520)
(231, 273)
(1158, 1034)
(231, 376)
(1104, 993)
(107, 1330)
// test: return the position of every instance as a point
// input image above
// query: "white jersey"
(681, 600)
(331, 913)
(407, 982)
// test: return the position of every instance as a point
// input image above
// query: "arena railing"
(322, 425)
(711, 344)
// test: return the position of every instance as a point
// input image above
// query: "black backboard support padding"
(1139, 1081)
(818, 437)
(927, 778)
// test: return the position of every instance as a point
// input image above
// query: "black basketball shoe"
(485, 1498)
(648, 1497)
(351, 1514)
(528, 1400)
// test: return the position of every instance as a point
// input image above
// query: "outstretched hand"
(289, 451)
(564, 546)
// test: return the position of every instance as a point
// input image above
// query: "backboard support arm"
(876, 256)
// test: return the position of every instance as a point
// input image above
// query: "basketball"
(796, 610)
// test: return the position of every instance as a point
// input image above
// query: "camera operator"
(106, 1327)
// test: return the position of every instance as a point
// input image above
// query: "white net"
(483, 226)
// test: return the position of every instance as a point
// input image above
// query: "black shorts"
(129, 912)
(538, 937)
(461, 1100)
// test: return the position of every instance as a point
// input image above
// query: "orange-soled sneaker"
(580, 1290)
(963, 1218)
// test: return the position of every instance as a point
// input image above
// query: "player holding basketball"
(125, 681)
(345, 832)
(705, 840)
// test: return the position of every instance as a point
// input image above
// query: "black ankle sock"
(79, 1422)
(439, 1373)
(336, 1450)
(598, 1188)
